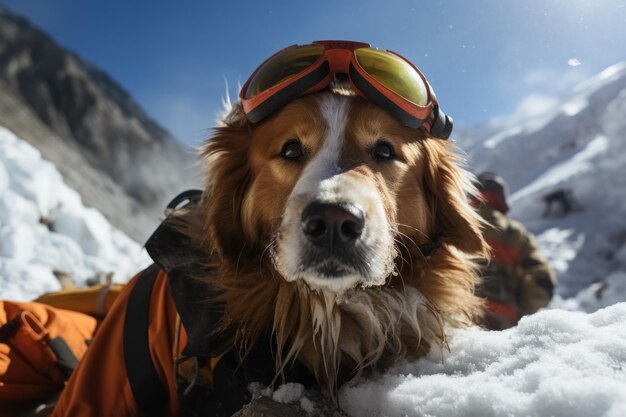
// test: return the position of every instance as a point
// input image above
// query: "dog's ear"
(446, 185)
(224, 161)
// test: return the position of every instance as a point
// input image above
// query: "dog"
(321, 224)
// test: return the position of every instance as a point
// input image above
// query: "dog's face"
(333, 190)
(342, 214)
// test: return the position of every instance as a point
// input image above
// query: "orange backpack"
(42, 341)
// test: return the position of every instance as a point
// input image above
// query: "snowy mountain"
(579, 148)
(46, 232)
(105, 146)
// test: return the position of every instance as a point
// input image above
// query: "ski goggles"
(382, 77)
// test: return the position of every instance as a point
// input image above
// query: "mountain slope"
(72, 241)
(106, 147)
(578, 146)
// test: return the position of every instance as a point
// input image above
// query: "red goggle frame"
(383, 77)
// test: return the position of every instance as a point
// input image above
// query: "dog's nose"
(332, 225)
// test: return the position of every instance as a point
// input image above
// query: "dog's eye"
(383, 150)
(292, 150)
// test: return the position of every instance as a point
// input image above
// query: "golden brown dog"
(316, 221)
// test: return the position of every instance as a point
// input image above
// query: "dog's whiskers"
(410, 239)
(414, 228)
(403, 259)
(267, 248)
(419, 250)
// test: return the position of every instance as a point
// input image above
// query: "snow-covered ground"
(77, 241)
(554, 363)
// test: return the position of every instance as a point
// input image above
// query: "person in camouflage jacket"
(517, 280)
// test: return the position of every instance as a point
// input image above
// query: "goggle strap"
(442, 124)
(288, 93)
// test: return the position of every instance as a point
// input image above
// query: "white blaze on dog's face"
(346, 175)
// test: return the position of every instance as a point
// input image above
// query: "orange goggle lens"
(283, 65)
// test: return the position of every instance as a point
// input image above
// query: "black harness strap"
(148, 389)
(66, 360)
(428, 249)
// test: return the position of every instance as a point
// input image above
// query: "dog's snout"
(332, 225)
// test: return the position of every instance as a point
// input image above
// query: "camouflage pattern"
(517, 275)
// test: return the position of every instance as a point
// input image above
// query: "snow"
(554, 363)
(288, 392)
(579, 164)
(542, 114)
(495, 140)
(598, 295)
(575, 106)
(79, 241)
(605, 77)
(562, 246)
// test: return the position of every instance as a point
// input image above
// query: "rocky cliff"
(120, 160)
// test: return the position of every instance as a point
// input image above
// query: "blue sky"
(486, 59)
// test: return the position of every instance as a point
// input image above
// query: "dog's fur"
(396, 302)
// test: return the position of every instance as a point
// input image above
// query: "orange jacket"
(99, 386)
(29, 371)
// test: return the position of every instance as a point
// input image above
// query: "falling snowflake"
(573, 62)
